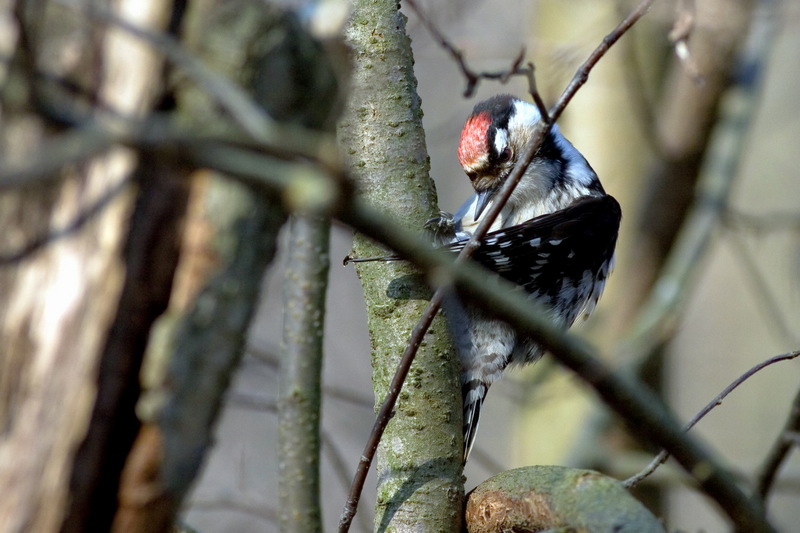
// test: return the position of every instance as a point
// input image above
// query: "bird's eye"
(505, 155)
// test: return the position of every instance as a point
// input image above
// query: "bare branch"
(238, 503)
(761, 223)
(664, 455)
(78, 222)
(305, 285)
(787, 439)
(252, 402)
(472, 77)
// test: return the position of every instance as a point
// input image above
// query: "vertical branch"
(306, 277)
(293, 92)
(151, 258)
(685, 122)
(211, 337)
(780, 450)
(419, 460)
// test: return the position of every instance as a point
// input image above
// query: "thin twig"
(664, 455)
(86, 215)
(787, 439)
(471, 76)
(761, 223)
(417, 334)
(533, 90)
(235, 503)
(252, 402)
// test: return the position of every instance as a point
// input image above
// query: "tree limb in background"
(151, 257)
(662, 457)
(787, 439)
(685, 120)
(296, 81)
(300, 399)
(300, 396)
(717, 172)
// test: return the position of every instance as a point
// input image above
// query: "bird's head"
(495, 136)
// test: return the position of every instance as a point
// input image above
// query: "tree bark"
(419, 459)
(198, 343)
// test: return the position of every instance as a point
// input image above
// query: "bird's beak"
(484, 197)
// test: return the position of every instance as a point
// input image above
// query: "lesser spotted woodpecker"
(555, 238)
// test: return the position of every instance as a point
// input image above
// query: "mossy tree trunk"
(419, 460)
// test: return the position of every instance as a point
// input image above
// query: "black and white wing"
(562, 258)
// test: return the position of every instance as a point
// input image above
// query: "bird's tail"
(473, 393)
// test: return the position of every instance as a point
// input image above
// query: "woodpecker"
(554, 238)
